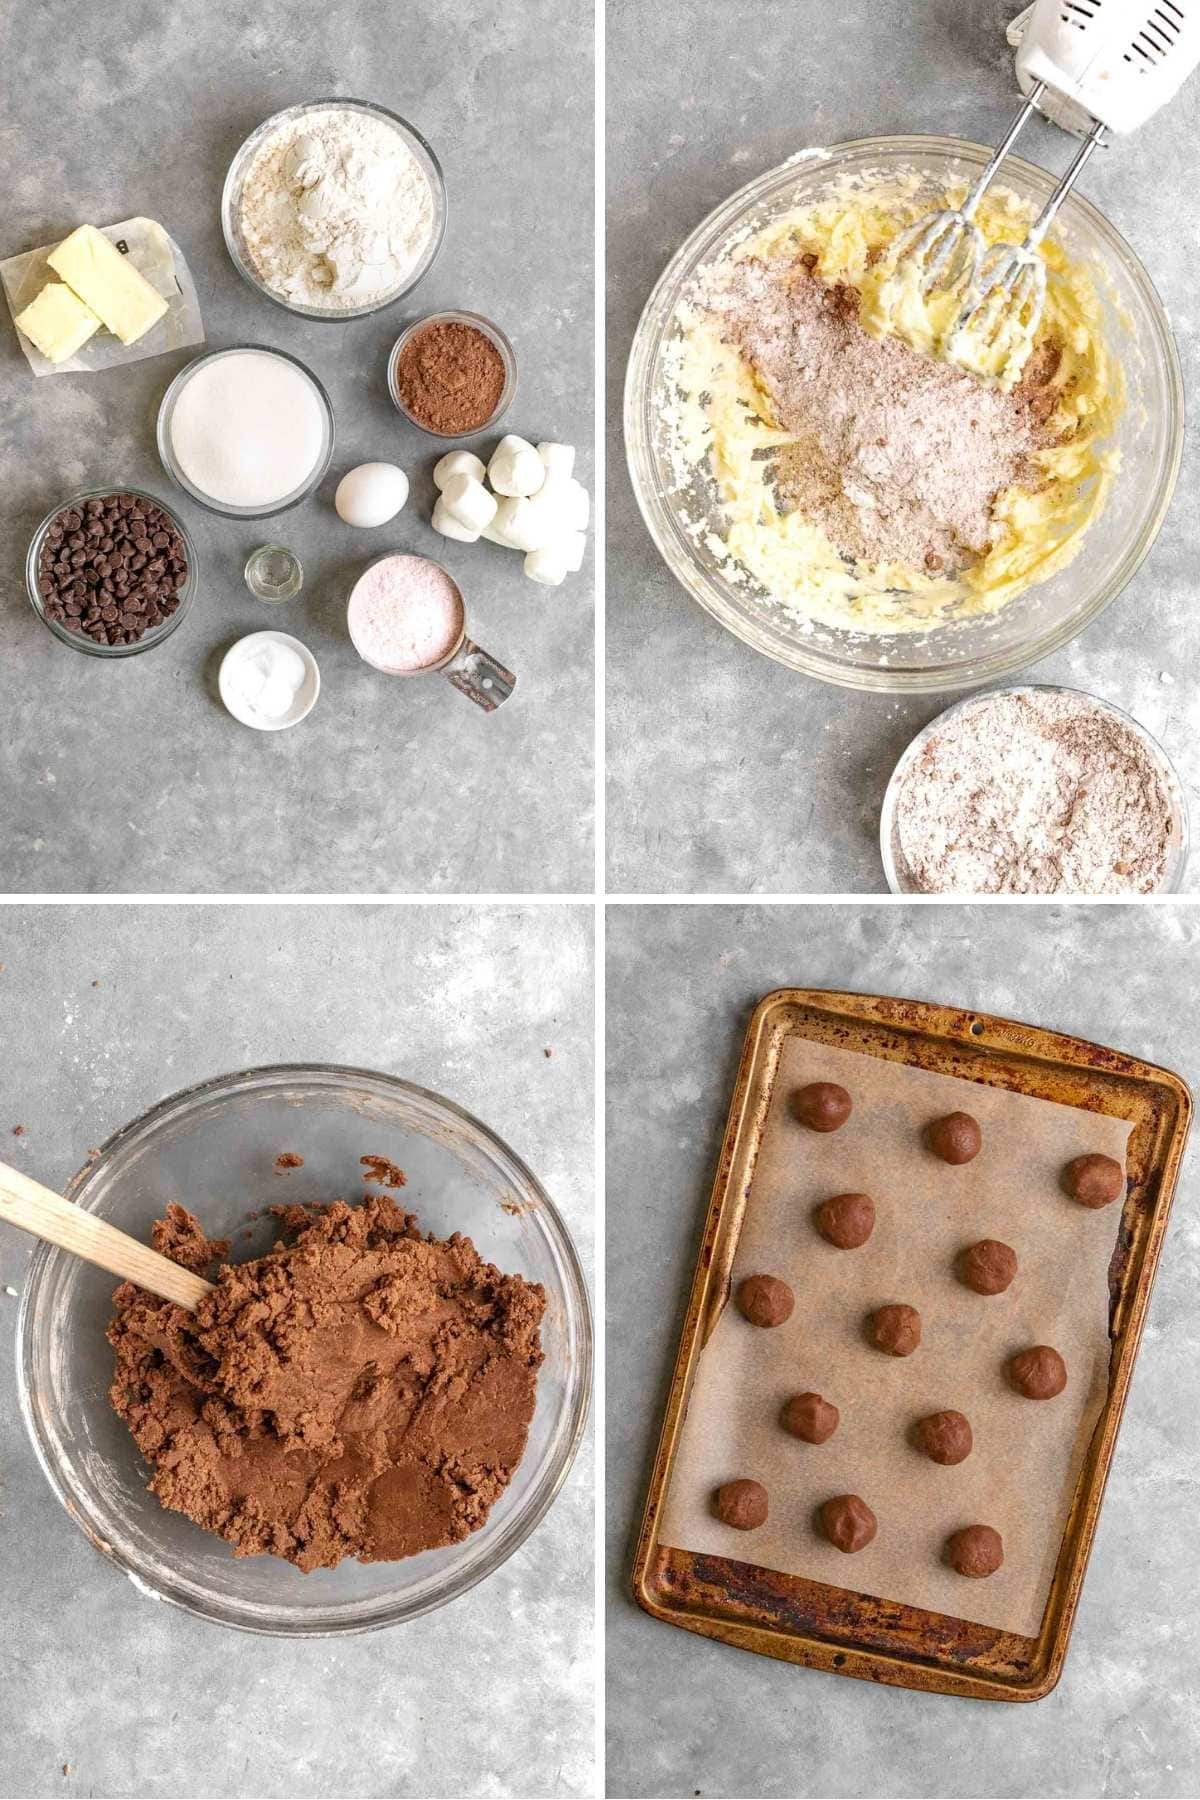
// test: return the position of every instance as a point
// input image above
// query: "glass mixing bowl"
(77, 639)
(899, 876)
(213, 1149)
(231, 205)
(969, 652)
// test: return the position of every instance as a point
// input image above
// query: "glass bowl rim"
(645, 347)
(577, 1402)
(426, 155)
(166, 455)
(887, 811)
(151, 639)
(490, 330)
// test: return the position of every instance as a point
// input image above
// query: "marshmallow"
(577, 506)
(522, 524)
(557, 459)
(492, 536)
(516, 469)
(448, 525)
(572, 545)
(547, 565)
(457, 462)
(468, 502)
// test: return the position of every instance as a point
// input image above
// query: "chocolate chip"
(110, 568)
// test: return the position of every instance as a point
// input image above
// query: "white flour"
(335, 210)
(1035, 793)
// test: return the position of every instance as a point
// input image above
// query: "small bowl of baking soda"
(334, 209)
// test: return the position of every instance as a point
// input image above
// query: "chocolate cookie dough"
(896, 1329)
(810, 1417)
(945, 1437)
(742, 1504)
(955, 1138)
(1094, 1180)
(360, 1391)
(977, 1551)
(765, 1300)
(1039, 1372)
(848, 1522)
(987, 1267)
(846, 1220)
(822, 1106)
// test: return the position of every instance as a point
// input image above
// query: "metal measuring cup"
(466, 665)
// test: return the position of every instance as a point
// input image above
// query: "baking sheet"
(1022, 1471)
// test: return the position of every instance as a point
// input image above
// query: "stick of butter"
(108, 283)
(57, 321)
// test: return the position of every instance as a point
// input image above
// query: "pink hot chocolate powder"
(405, 614)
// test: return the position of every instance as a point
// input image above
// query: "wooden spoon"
(32, 1207)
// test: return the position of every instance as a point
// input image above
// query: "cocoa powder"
(449, 378)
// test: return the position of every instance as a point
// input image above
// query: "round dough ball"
(987, 1267)
(977, 1551)
(1039, 1372)
(945, 1437)
(896, 1329)
(822, 1106)
(1094, 1180)
(846, 1220)
(848, 1522)
(956, 1138)
(765, 1300)
(810, 1417)
(742, 1504)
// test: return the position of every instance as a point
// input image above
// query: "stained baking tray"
(825, 1627)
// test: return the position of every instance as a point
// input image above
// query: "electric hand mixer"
(1091, 66)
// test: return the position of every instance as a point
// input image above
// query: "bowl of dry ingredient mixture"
(1034, 790)
(839, 496)
(382, 1396)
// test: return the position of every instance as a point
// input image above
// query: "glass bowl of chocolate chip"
(111, 571)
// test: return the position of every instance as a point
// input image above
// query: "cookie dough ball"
(848, 1522)
(1039, 1372)
(896, 1329)
(765, 1300)
(945, 1437)
(956, 1138)
(987, 1267)
(976, 1551)
(846, 1220)
(1094, 1180)
(822, 1106)
(742, 1504)
(810, 1417)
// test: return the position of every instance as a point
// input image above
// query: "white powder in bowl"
(248, 429)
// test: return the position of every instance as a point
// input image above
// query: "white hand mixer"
(1091, 66)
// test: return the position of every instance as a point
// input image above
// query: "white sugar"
(248, 429)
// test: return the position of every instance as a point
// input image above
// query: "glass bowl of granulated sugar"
(1034, 790)
(685, 472)
(334, 208)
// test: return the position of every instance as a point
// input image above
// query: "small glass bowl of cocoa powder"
(452, 374)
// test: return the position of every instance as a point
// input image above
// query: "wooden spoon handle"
(32, 1207)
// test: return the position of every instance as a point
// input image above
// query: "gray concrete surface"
(131, 777)
(742, 777)
(493, 1694)
(690, 1717)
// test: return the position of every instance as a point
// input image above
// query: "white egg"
(371, 494)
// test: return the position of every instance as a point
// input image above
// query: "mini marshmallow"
(448, 525)
(457, 462)
(468, 502)
(547, 565)
(516, 470)
(522, 524)
(557, 459)
(572, 546)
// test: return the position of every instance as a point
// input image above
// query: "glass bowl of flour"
(334, 209)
